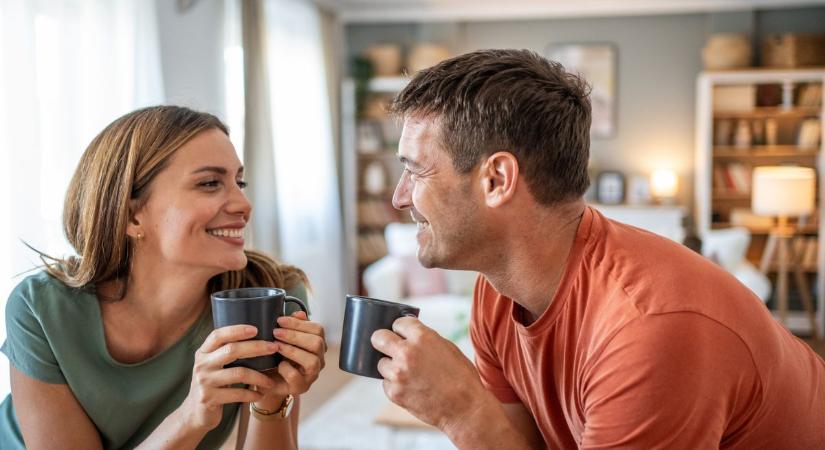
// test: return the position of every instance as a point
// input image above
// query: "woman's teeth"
(227, 232)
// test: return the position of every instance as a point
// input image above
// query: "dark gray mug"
(362, 317)
(259, 307)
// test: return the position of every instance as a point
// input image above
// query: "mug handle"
(291, 299)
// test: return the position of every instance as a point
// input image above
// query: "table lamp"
(664, 184)
(783, 192)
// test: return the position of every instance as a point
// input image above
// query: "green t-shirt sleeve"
(27, 346)
(299, 292)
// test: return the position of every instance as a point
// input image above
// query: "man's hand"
(427, 374)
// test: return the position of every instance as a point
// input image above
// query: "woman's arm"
(50, 416)
(275, 434)
(302, 344)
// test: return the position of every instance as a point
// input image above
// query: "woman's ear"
(134, 229)
(499, 177)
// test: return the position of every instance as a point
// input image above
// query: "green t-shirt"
(55, 335)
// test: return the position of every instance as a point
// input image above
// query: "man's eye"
(242, 184)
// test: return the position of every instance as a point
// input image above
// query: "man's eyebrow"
(217, 169)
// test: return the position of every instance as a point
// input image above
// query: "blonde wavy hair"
(115, 171)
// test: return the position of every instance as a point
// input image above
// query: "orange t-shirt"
(648, 345)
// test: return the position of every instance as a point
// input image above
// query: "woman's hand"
(211, 386)
(302, 343)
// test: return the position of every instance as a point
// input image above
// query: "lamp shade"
(664, 183)
(783, 190)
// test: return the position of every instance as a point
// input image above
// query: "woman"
(115, 348)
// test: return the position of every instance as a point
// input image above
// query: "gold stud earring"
(140, 235)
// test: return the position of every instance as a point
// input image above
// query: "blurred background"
(688, 98)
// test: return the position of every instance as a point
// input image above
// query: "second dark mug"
(259, 307)
(362, 317)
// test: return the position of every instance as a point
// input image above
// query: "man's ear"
(499, 177)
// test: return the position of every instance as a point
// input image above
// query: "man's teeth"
(421, 224)
(227, 232)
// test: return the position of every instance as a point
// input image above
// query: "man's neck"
(534, 257)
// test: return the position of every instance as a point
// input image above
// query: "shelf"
(765, 151)
(388, 84)
(764, 231)
(728, 196)
(769, 111)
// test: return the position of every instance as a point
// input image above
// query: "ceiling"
(373, 11)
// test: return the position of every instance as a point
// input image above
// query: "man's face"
(440, 200)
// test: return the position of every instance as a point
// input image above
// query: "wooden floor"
(329, 382)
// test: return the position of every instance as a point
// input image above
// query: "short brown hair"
(509, 100)
(116, 170)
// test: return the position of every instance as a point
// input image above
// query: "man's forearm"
(484, 425)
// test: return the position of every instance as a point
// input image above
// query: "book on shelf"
(375, 213)
(732, 178)
(371, 247)
(810, 95)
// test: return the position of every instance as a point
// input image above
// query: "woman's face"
(196, 211)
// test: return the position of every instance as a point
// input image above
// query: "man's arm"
(430, 377)
(524, 422)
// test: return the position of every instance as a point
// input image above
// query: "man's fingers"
(221, 336)
(386, 342)
(409, 327)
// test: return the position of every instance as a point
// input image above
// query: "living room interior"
(689, 99)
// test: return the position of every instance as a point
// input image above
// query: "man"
(588, 333)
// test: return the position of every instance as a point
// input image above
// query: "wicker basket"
(793, 50)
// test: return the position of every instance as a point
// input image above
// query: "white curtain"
(305, 178)
(67, 68)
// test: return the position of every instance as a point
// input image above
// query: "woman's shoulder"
(41, 290)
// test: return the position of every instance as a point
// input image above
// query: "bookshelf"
(370, 172)
(761, 117)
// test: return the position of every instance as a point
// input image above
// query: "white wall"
(192, 54)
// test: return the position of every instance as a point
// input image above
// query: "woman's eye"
(210, 184)
(242, 184)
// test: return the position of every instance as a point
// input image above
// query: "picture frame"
(596, 63)
(610, 187)
(370, 137)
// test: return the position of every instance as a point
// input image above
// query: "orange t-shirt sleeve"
(487, 361)
(667, 381)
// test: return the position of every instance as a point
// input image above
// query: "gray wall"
(659, 58)
(192, 54)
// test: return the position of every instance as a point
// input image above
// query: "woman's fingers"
(298, 322)
(310, 342)
(239, 375)
(233, 351)
(236, 395)
(293, 377)
(309, 362)
(223, 335)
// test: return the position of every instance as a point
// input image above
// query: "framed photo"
(597, 64)
(610, 187)
(370, 137)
